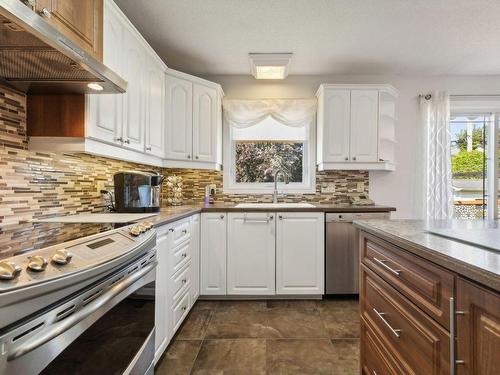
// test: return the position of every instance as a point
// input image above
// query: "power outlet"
(328, 187)
(213, 189)
(360, 187)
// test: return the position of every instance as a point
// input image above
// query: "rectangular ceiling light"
(270, 65)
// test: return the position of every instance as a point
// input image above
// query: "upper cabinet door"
(104, 112)
(179, 118)
(300, 253)
(364, 125)
(336, 127)
(155, 125)
(251, 253)
(80, 21)
(134, 102)
(205, 123)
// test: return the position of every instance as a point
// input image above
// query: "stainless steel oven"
(106, 327)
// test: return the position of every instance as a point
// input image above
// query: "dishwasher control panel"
(351, 216)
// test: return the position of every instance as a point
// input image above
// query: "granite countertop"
(174, 213)
(474, 262)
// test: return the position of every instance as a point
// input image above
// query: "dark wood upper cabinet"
(478, 330)
(79, 20)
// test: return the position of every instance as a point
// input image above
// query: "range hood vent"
(36, 58)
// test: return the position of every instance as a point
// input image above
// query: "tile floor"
(266, 337)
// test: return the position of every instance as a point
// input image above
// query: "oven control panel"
(70, 257)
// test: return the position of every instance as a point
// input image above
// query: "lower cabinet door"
(213, 253)
(162, 307)
(251, 253)
(195, 257)
(300, 253)
(478, 330)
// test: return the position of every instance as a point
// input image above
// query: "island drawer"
(375, 357)
(421, 345)
(428, 286)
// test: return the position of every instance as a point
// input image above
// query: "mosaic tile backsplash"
(36, 184)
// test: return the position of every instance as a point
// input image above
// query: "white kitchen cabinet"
(251, 253)
(193, 122)
(179, 118)
(162, 311)
(300, 253)
(206, 120)
(155, 125)
(104, 113)
(195, 257)
(355, 128)
(364, 125)
(333, 140)
(134, 99)
(213, 253)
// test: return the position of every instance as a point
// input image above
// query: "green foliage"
(477, 139)
(257, 161)
(467, 164)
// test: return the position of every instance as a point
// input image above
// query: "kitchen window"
(264, 136)
(474, 158)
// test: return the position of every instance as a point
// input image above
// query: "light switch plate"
(328, 187)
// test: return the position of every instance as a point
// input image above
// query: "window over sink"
(262, 137)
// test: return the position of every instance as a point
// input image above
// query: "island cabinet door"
(251, 253)
(300, 253)
(478, 330)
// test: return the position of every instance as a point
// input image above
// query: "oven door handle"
(79, 315)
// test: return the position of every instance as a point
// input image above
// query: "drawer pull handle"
(396, 332)
(382, 263)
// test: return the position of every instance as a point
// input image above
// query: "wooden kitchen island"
(428, 304)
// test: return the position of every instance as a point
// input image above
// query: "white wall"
(396, 188)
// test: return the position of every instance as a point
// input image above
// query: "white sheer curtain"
(437, 196)
(290, 112)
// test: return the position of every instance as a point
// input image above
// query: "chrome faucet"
(276, 175)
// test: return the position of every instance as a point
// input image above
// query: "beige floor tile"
(179, 358)
(195, 326)
(236, 323)
(231, 357)
(346, 356)
(302, 357)
(292, 323)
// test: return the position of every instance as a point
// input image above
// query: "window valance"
(290, 112)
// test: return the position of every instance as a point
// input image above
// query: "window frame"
(307, 186)
(481, 105)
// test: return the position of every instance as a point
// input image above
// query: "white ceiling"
(326, 36)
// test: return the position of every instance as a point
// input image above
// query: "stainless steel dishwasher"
(342, 251)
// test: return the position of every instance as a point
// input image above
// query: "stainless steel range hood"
(36, 58)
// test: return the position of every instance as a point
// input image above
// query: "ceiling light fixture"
(270, 65)
(95, 86)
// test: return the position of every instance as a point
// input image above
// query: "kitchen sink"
(274, 205)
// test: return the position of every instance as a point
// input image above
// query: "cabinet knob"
(184, 231)
(196, 157)
(354, 158)
(280, 217)
(189, 156)
(184, 255)
(346, 158)
(119, 139)
(45, 13)
(148, 148)
(127, 141)
(222, 216)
